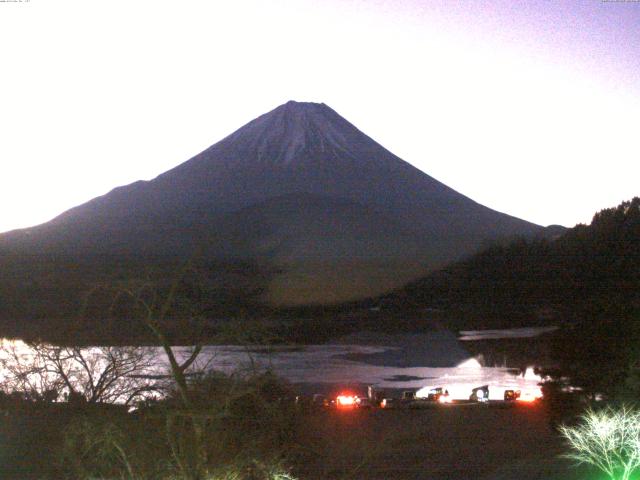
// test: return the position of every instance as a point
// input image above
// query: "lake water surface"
(409, 361)
(387, 362)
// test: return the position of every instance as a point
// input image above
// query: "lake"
(415, 362)
(394, 362)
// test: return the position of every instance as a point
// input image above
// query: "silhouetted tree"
(46, 372)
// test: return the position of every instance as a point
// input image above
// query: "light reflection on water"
(334, 365)
(325, 364)
(523, 332)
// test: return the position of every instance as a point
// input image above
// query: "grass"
(471, 442)
(453, 443)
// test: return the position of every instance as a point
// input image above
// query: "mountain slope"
(300, 189)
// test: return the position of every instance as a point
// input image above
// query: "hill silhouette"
(323, 211)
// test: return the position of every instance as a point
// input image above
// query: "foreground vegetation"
(608, 439)
(235, 428)
(253, 439)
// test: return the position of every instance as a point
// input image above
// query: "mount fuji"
(333, 214)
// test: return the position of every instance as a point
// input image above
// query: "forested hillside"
(590, 268)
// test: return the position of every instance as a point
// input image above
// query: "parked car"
(511, 395)
(480, 394)
(435, 394)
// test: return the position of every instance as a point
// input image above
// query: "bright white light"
(461, 380)
(445, 399)
(346, 400)
(530, 395)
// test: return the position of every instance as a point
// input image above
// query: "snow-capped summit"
(294, 130)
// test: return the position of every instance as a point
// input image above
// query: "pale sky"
(528, 107)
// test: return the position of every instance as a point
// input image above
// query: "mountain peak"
(295, 108)
(296, 131)
(302, 105)
(300, 111)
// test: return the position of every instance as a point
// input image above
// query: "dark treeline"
(587, 281)
(590, 269)
(62, 298)
(77, 300)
